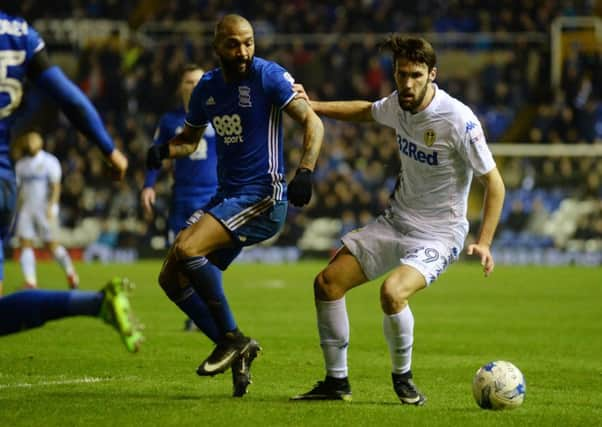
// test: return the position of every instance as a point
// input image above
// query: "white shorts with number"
(382, 246)
(35, 224)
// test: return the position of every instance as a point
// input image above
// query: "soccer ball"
(499, 385)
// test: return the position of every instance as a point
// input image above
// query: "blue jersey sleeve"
(150, 178)
(278, 84)
(196, 116)
(34, 43)
(76, 107)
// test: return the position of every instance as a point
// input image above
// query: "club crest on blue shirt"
(429, 137)
(244, 96)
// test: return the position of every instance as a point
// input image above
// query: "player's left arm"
(76, 106)
(493, 201)
(300, 187)
(313, 133)
(53, 199)
(54, 174)
(19, 184)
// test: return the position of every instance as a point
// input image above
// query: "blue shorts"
(179, 212)
(249, 219)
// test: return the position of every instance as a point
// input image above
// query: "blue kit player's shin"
(206, 281)
(191, 303)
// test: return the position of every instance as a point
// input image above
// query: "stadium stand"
(495, 55)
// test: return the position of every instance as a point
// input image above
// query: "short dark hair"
(413, 49)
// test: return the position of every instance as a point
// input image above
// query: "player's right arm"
(185, 143)
(76, 106)
(349, 111)
(181, 145)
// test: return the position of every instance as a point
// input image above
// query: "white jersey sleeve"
(472, 145)
(54, 168)
(385, 110)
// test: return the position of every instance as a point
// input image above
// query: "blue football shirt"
(247, 118)
(195, 176)
(18, 44)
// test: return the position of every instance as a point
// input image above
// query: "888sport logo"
(229, 127)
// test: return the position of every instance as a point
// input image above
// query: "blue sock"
(31, 309)
(206, 280)
(85, 303)
(196, 309)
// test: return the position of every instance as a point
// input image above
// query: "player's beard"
(236, 69)
(413, 105)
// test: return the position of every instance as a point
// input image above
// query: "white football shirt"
(440, 149)
(34, 176)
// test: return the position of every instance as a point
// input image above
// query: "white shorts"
(35, 224)
(381, 246)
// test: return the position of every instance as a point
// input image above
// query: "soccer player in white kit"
(441, 146)
(39, 184)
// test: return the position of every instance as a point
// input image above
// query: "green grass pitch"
(548, 321)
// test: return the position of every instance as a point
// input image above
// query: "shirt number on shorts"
(431, 255)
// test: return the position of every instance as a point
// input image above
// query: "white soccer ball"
(499, 385)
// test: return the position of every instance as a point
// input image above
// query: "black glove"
(155, 155)
(299, 189)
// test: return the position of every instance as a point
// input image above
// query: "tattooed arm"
(185, 143)
(302, 113)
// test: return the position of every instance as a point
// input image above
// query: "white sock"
(62, 257)
(333, 326)
(28, 265)
(399, 333)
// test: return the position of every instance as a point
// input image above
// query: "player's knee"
(325, 287)
(164, 278)
(184, 248)
(393, 296)
(169, 283)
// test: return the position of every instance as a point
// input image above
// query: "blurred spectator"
(518, 218)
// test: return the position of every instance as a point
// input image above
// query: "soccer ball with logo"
(499, 385)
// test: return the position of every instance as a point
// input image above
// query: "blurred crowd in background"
(506, 82)
(332, 16)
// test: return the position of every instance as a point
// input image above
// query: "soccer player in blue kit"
(23, 55)
(243, 100)
(195, 176)
(195, 183)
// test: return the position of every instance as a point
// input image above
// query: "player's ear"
(432, 74)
